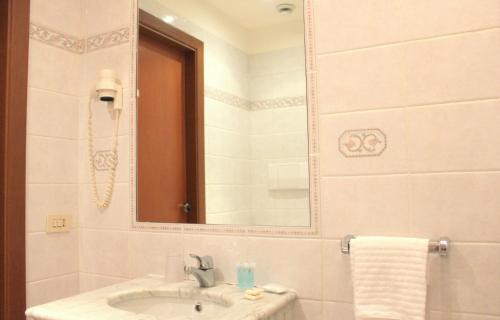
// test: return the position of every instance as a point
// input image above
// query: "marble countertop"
(96, 305)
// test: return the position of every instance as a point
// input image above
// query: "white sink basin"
(152, 298)
(171, 308)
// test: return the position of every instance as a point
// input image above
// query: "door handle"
(186, 207)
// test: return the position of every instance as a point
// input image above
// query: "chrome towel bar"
(440, 246)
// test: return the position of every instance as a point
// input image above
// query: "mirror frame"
(314, 175)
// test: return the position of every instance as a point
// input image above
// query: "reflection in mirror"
(239, 154)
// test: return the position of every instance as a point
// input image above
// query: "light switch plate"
(58, 223)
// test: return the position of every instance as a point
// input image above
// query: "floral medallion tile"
(105, 160)
(362, 143)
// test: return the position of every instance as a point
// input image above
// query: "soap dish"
(275, 288)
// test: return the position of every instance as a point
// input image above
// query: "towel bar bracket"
(441, 247)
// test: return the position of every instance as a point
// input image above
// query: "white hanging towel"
(389, 277)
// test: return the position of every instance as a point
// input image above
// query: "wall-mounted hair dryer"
(109, 89)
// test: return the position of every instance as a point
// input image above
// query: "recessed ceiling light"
(285, 8)
(169, 19)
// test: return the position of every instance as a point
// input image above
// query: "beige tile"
(104, 253)
(467, 280)
(262, 87)
(149, 252)
(116, 217)
(60, 15)
(52, 160)
(89, 282)
(52, 114)
(289, 84)
(220, 142)
(51, 255)
(307, 310)
(45, 199)
(393, 160)
(291, 119)
(454, 137)
(112, 15)
(463, 207)
(222, 170)
(344, 24)
(337, 311)
(279, 146)
(264, 122)
(44, 291)
(225, 116)
(294, 263)
(54, 69)
(227, 198)
(279, 120)
(226, 252)
(375, 205)
(336, 277)
(448, 69)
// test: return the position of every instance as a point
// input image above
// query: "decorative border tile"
(362, 143)
(56, 39)
(79, 45)
(108, 39)
(312, 231)
(227, 98)
(278, 103)
(239, 102)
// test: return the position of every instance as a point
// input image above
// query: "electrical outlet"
(58, 223)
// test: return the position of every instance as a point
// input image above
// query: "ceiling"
(255, 14)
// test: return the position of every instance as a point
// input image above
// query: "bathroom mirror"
(222, 116)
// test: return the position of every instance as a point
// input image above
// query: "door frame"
(14, 45)
(195, 95)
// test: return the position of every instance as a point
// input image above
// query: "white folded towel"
(389, 277)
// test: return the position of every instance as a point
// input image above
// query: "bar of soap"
(275, 288)
(254, 292)
(254, 297)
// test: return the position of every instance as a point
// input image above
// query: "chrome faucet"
(205, 272)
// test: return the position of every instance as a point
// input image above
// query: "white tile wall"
(53, 69)
(278, 135)
(51, 255)
(101, 18)
(466, 129)
(60, 287)
(438, 174)
(346, 25)
(52, 154)
(49, 198)
(52, 114)
(59, 84)
(52, 160)
(102, 252)
(89, 281)
(454, 68)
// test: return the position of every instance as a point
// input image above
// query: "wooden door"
(14, 40)
(162, 179)
(170, 124)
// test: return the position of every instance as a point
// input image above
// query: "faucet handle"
(204, 263)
